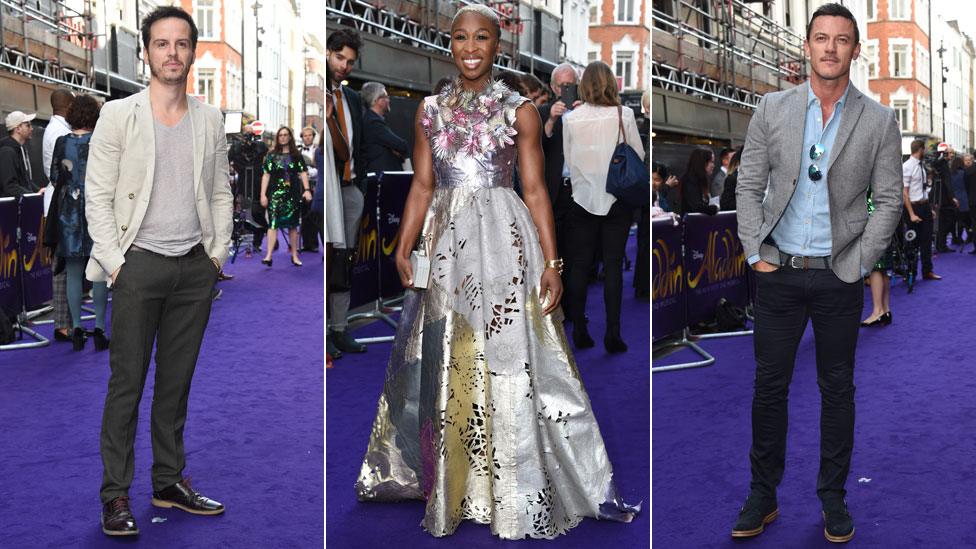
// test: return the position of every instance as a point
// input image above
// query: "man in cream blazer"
(159, 209)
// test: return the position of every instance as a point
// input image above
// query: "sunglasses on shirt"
(816, 153)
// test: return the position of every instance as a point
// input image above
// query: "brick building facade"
(217, 74)
(899, 62)
(620, 36)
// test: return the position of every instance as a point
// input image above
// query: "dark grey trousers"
(165, 300)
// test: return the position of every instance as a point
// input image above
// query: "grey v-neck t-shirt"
(172, 226)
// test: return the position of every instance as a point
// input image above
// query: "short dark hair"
(344, 38)
(835, 10)
(165, 12)
(83, 112)
(532, 83)
(917, 145)
(725, 152)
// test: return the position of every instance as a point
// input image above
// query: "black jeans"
(947, 223)
(785, 300)
(166, 301)
(924, 233)
(587, 232)
(562, 206)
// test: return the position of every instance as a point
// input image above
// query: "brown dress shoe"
(224, 276)
(931, 276)
(117, 520)
(182, 496)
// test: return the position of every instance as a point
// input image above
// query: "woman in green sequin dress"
(880, 284)
(283, 187)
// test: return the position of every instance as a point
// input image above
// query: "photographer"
(942, 197)
(917, 207)
(247, 151)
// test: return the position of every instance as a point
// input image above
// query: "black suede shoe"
(346, 343)
(101, 342)
(754, 516)
(838, 523)
(330, 347)
(117, 520)
(78, 339)
(62, 336)
(612, 341)
(581, 336)
(182, 496)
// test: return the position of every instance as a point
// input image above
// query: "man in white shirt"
(310, 241)
(60, 101)
(917, 205)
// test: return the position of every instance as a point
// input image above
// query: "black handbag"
(340, 270)
(628, 179)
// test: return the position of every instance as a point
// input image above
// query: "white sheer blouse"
(590, 134)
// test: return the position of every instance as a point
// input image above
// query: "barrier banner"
(715, 266)
(394, 187)
(668, 299)
(365, 269)
(9, 257)
(35, 260)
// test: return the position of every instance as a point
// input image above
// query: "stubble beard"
(159, 74)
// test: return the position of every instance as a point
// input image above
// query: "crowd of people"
(939, 190)
(582, 121)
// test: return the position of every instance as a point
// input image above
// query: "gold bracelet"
(555, 264)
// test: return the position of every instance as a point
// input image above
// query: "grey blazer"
(866, 155)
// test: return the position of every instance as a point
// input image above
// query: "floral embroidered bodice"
(472, 135)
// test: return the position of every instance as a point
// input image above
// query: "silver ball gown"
(483, 413)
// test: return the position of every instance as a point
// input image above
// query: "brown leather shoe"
(117, 520)
(931, 276)
(182, 496)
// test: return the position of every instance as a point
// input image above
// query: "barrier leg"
(707, 359)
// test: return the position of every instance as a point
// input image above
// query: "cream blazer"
(118, 183)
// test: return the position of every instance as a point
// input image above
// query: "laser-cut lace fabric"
(483, 413)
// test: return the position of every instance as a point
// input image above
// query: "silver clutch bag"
(420, 264)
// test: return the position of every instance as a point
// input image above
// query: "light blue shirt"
(804, 229)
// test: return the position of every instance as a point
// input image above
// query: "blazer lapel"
(852, 111)
(145, 125)
(199, 140)
(797, 113)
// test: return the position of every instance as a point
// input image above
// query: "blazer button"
(125, 228)
(132, 195)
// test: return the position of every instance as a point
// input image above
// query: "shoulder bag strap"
(620, 122)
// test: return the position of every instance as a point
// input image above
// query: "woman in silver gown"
(483, 413)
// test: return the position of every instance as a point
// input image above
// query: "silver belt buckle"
(793, 262)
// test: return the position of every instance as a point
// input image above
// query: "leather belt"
(193, 251)
(804, 263)
(921, 202)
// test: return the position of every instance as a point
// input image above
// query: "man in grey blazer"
(811, 155)
(159, 209)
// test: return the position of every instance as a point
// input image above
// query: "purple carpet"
(617, 386)
(253, 433)
(912, 474)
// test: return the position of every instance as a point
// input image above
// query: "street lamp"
(257, 61)
(942, 74)
(305, 52)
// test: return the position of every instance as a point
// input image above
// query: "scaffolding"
(50, 41)
(425, 24)
(723, 50)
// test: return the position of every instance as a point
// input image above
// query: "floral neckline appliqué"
(473, 123)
